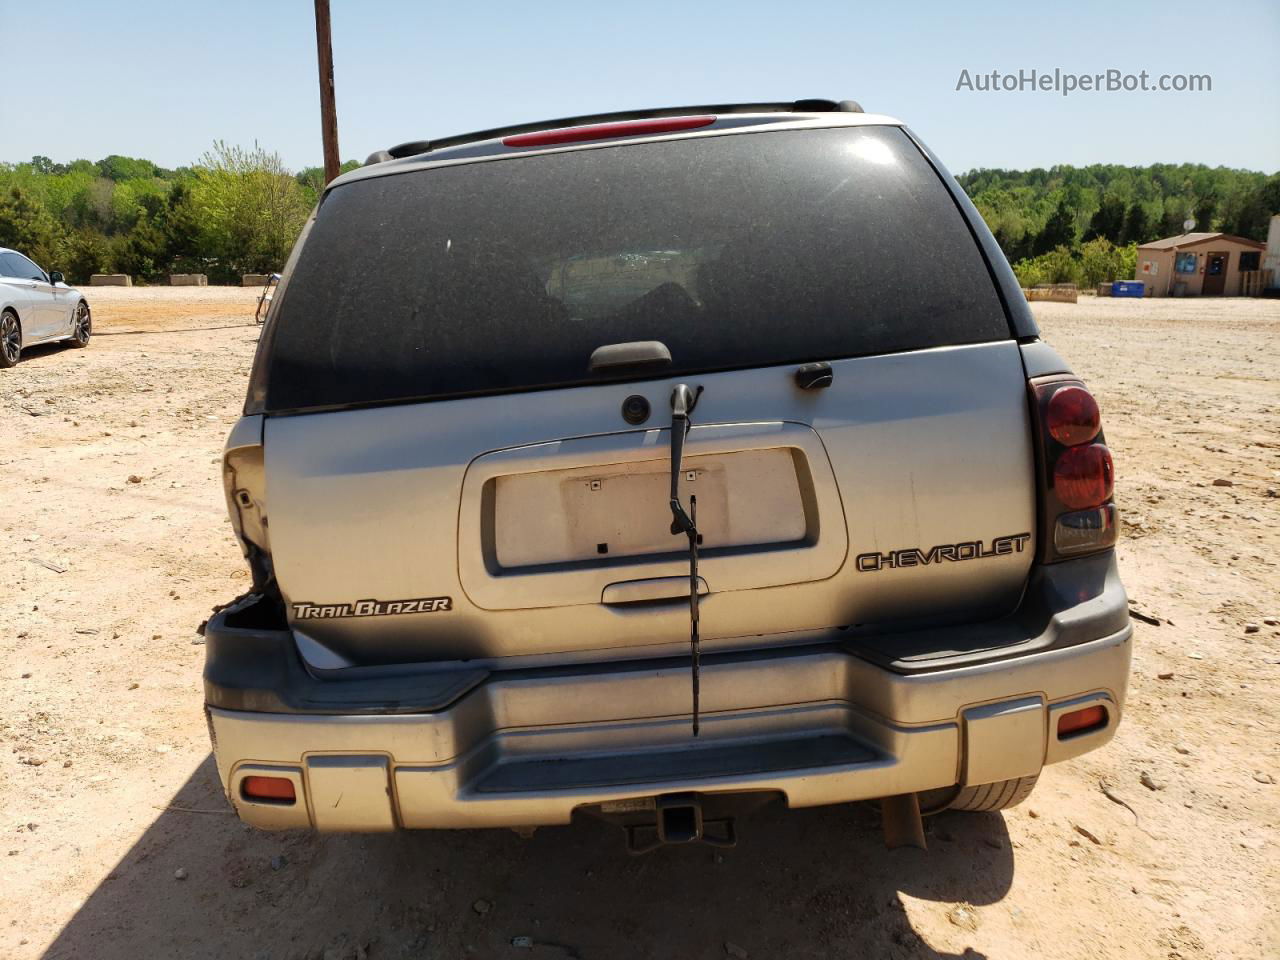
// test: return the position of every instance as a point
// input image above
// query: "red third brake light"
(1073, 416)
(606, 131)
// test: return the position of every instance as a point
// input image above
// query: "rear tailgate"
(903, 452)
(447, 479)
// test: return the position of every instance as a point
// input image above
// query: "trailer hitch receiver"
(679, 820)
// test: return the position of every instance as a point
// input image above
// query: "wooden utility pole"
(328, 111)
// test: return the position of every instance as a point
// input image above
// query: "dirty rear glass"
(735, 251)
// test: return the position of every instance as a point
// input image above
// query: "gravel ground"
(117, 843)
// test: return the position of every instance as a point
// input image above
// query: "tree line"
(1083, 224)
(239, 210)
(234, 211)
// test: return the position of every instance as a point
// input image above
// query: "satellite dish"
(1187, 225)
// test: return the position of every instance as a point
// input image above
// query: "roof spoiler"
(415, 147)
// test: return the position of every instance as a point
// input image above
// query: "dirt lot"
(117, 843)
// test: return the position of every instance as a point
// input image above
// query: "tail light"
(1082, 476)
(1076, 474)
(1072, 415)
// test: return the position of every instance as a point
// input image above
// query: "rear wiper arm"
(683, 400)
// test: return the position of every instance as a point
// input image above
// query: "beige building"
(1271, 259)
(1200, 264)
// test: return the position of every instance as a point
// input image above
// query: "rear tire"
(10, 339)
(994, 796)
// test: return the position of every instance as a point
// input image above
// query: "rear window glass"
(735, 251)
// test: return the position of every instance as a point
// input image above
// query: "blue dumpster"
(1128, 288)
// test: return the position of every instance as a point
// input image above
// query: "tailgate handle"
(637, 354)
(649, 590)
(814, 376)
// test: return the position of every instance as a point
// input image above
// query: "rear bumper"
(818, 725)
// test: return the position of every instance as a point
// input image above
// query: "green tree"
(1219, 198)
(251, 209)
(1059, 231)
(1101, 261)
(311, 179)
(118, 168)
(1205, 210)
(1136, 229)
(1250, 214)
(87, 254)
(25, 225)
(182, 230)
(1108, 221)
(1056, 266)
(1176, 211)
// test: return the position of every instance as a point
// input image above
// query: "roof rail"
(415, 147)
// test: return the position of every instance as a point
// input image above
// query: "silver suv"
(645, 464)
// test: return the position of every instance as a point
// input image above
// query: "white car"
(37, 307)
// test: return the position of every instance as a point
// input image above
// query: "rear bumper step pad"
(676, 762)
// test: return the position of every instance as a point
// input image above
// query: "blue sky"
(163, 80)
